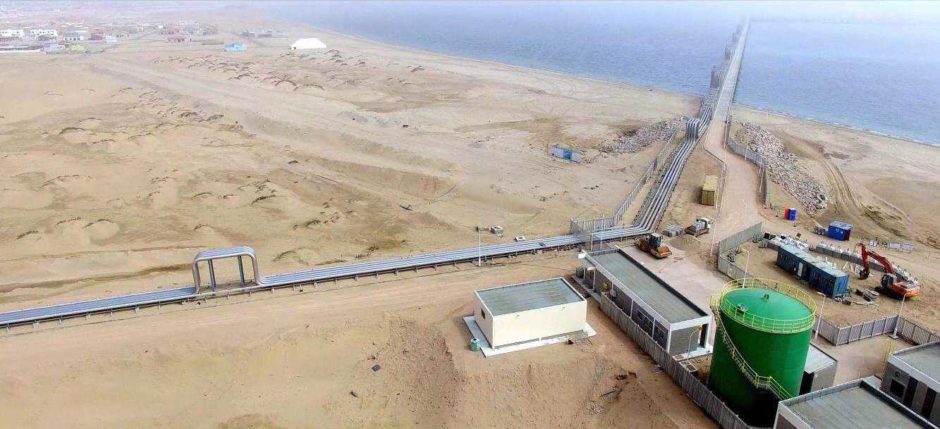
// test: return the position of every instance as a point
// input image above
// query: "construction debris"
(783, 167)
(702, 225)
(635, 140)
(673, 231)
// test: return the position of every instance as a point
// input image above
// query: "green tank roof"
(768, 303)
(767, 309)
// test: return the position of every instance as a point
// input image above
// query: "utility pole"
(819, 317)
(897, 323)
(479, 246)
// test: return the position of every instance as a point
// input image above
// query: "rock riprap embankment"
(783, 167)
(635, 140)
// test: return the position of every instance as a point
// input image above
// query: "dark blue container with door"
(794, 260)
(791, 214)
(829, 280)
(839, 230)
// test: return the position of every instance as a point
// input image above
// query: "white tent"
(311, 43)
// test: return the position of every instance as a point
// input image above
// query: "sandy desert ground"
(293, 359)
(885, 187)
(116, 168)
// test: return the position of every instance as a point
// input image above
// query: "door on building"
(909, 392)
(928, 403)
(807, 383)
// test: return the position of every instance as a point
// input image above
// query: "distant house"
(176, 38)
(304, 44)
(77, 49)
(74, 37)
(11, 34)
(235, 47)
(110, 38)
(43, 33)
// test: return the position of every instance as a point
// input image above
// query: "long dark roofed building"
(677, 324)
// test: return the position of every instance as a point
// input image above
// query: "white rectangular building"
(529, 312)
(11, 33)
(43, 32)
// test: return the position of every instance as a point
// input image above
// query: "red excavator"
(891, 282)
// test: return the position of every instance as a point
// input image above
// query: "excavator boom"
(891, 282)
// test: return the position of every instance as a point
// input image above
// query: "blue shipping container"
(839, 231)
(235, 47)
(795, 260)
(829, 280)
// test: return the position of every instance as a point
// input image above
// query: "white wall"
(485, 323)
(534, 324)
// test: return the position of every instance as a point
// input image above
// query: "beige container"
(710, 191)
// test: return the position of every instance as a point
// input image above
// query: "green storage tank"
(760, 348)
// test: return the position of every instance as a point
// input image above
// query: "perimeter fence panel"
(748, 234)
(698, 391)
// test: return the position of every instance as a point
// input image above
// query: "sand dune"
(357, 151)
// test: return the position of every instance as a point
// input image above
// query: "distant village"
(70, 28)
(79, 37)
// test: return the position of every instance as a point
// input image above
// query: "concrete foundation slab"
(488, 351)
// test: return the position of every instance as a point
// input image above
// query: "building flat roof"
(925, 358)
(653, 290)
(856, 404)
(710, 184)
(817, 359)
(528, 296)
(841, 225)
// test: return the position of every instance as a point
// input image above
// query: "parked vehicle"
(653, 244)
(891, 282)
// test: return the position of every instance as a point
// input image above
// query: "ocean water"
(881, 77)
(884, 78)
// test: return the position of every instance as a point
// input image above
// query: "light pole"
(897, 323)
(819, 317)
(697, 330)
(747, 264)
(479, 247)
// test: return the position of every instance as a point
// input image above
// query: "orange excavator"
(891, 281)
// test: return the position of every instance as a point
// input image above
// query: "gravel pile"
(783, 168)
(635, 140)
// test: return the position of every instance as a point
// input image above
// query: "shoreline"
(568, 75)
(556, 73)
(836, 125)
